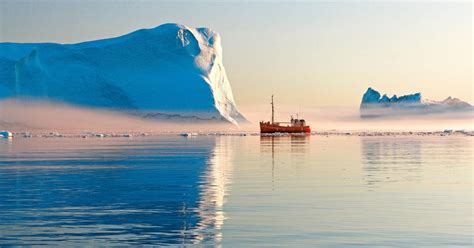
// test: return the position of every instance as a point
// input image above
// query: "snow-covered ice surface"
(373, 104)
(169, 70)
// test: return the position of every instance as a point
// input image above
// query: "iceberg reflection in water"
(291, 191)
(106, 191)
(391, 160)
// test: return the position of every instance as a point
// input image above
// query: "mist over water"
(43, 116)
(348, 119)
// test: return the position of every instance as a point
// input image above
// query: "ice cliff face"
(168, 69)
(374, 105)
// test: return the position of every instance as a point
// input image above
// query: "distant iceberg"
(373, 105)
(170, 70)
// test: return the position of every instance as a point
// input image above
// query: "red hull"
(276, 128)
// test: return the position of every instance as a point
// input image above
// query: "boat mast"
(273, 112)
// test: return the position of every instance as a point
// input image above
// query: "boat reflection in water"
(295, 146)
(296, 143)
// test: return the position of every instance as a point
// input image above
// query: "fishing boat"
(294, 126)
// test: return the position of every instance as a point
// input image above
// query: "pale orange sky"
(307, 54)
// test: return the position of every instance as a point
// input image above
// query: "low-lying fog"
(35, 116)
(348, 119)
(41, 116)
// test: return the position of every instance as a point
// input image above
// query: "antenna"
(299, 112)
(273, 112)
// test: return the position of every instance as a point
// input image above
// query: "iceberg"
(373, 105)
(170, 70)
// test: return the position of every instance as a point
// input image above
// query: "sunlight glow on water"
(237, 191)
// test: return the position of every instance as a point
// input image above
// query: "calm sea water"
(237, 191)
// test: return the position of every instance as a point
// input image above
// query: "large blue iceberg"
(170, 69)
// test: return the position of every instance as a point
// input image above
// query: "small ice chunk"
(188, 134)
(5, 134)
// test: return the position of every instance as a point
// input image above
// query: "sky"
(308, 54)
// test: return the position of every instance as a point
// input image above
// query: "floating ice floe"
(5, 134)
(188, 134)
